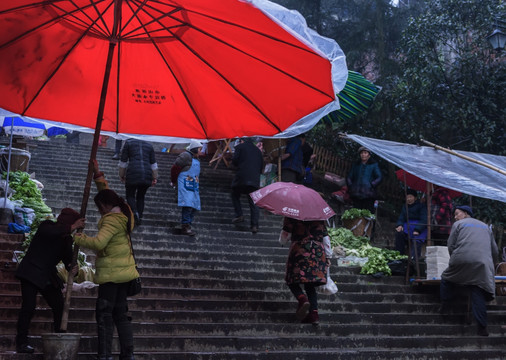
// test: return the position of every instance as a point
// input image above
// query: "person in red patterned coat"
(441, 213)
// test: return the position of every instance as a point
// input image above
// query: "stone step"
(221, 294)
(250, 313)
(327, 354)
(171, 327)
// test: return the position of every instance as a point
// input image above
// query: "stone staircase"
(221, 295)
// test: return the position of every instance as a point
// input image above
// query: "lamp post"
(498, 36)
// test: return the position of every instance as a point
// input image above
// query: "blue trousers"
(187, 214)
(478, 299)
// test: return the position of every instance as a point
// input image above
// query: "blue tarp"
(444, 169)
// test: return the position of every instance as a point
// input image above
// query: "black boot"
(22, 346)
(24, 349)
(126, 339)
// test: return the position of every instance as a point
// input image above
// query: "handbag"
(135, 285)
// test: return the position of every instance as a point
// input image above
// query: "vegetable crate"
(359, 226)
(19, 159)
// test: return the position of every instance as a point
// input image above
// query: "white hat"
(194, 144)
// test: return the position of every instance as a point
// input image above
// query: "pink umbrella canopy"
(293, 201)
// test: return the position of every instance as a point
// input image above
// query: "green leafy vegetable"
(355, 213)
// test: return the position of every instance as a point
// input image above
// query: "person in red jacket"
(441, 213)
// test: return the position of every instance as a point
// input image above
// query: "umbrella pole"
(279, 160)
(93, 156)
(8, 164)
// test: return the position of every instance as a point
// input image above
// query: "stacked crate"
(437, 258)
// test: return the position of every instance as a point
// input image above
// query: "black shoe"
(24, 349)
(482, 330)
(254, 229)
(187, 230)
(115, 157)
(238, 219)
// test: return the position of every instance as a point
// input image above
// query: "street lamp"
(498, 37)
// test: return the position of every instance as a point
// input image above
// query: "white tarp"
(444, 169)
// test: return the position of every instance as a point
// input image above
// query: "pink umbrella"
(293, 201)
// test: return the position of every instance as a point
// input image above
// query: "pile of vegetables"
(26, 191)
(359, 246)
(355, 213)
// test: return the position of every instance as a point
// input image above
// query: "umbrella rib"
(229, 83)
(52, 20)
(154, 20)
(178, 82)
(242, 51)
(57, 68)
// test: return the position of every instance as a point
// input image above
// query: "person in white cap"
(185, 173)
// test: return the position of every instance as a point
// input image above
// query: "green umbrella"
(356, 97)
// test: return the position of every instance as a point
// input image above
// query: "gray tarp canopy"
(442, 168)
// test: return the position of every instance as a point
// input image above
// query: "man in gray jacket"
(473, 252)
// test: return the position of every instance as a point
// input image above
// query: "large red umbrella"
(176, 68)
(414, 182)
(188, 68)
(293, 201)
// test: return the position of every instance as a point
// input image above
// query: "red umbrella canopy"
(293, 201)
(189, 68)
(414, 182)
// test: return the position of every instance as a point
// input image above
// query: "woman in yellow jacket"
(115, 267)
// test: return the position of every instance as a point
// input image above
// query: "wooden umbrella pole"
(479, 162)
(279, 160)
(93, 156)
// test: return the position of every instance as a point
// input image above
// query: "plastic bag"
(10, 204)
(327, 247)
(284, 237)
(80, 287)
(330, 288)
(24, 216)
(352, 261)
(14, 228)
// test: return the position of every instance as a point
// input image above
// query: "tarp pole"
(479, 162)
(428, 199)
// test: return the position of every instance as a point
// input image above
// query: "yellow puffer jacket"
(114, 262)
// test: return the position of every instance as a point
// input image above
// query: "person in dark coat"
(37, 272)
(138, 170)
(307, 160)
(249, 162)
(473, 252)
(412, 221)
(363, 179)
(291, 161)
